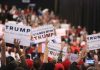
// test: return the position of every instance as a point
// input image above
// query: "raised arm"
(45, 60)
(3, 55)
(22, 55)
(82, 55)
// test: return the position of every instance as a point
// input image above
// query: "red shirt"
(59, 66)
(74, 48)
(31, 50)
(66, 64)
(29, 63)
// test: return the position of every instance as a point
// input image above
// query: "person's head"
(9, 59)
(45, 12)
(47, 66)
(27, 56)
(89, 55)
(59, 59)
(74, 43)
(29, 63)
(14, 7)
(90, 68)
(10, 63)
(37, 63)
(79, 27)
(19, 68)
(76, 52)
(73, 66)
(9, 51)
(6, 7)
(60, 69)
(33, 44)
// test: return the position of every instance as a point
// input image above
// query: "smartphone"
(90, 61)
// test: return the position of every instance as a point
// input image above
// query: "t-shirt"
(29, 63)
(66, 64)
(74, 48)
(59, 66)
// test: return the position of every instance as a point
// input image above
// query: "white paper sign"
(93, 41)
(65, 26)
(55, 39)
(40, 34)
(54, 50)
(60, 32)
(15, 31)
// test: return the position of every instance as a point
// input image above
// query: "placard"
(61, 32)
(15, 31)
(65, 26)
(40, 34)
(54, 50)
(55, 39)
(93, 41)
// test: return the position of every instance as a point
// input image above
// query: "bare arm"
(82, 55)
(22, 55)
(45, 60)
(3, 50)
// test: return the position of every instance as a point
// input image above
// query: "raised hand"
(2, 43)
(46, 41)
(45, 60)
(3, 50)
(16, 43)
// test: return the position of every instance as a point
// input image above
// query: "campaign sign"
(61, 32)
(15, 31)
(40, 33)
(93, 41)
(65, 26)
(54, 50)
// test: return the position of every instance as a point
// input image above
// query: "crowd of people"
(16, 57)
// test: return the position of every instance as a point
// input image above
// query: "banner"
(54, 50)
(15, 31)
(93, 41)
(40, 34)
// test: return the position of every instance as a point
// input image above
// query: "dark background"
(78, 12)
(39, 3)
(82, 12)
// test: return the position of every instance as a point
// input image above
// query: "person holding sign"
(46, 65)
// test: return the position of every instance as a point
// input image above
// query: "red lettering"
(52, 34)
(43, 36)
(48, 35)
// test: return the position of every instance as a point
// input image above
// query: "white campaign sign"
(65, 26)
(15, 31)
(55, 40)
(40, 34)
(54, 50)
(61, 32)
(93, 41)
